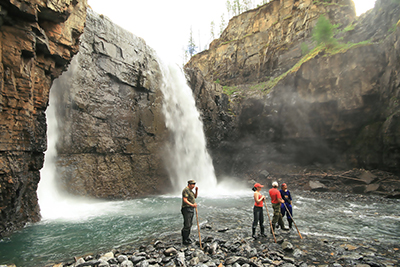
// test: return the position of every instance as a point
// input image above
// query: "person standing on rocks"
(187, 210)
(258, 210)
(276, 200)
(287, 198)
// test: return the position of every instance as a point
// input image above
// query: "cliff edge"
(37, 41)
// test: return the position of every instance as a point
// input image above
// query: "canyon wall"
(286, 106)
(37, 41)
(265, 42)
(111, 129)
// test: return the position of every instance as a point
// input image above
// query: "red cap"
(283, 185)
(258, 185)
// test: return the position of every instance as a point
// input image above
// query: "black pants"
(258, 217)
(187, 222)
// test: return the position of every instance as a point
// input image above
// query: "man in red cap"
(285, 193)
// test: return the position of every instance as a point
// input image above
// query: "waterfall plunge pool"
(101, 226)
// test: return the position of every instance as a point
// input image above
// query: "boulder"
(317, 186)
(111, 128)
(367, 177)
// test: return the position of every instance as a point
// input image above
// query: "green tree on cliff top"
(191, 48)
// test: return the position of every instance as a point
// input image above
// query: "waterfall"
(47, 189)
(187, 157)
(53, 202)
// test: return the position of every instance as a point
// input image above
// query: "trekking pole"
(198, 228)
(293, 220)
(270, 223)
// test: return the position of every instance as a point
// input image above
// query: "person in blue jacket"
(285, 193)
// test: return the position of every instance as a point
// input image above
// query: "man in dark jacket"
(188, 206)
(285, 193)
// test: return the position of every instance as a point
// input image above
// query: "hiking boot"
(283, 227)
(187, 242)
(253, 233)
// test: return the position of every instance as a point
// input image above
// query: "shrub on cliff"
(323, 32)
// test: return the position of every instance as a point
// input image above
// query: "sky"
(165, 25)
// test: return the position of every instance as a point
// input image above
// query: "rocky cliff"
(37, 41)
(265, 42)
(285, 106)
(110, 123)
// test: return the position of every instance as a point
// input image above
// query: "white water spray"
(187, 152)
(53, 202)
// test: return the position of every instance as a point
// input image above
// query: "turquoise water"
(113, 224)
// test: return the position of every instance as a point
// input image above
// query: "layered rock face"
(37, 41)
(111, 128)
(341, 108)
(265, 42)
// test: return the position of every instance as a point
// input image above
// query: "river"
(101, 226)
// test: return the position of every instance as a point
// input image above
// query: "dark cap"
(191, 182)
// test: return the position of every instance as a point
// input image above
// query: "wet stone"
(287, 246)
(122, 258)
(103, 264)
(144, 263)
(136, 259)
(126, 263)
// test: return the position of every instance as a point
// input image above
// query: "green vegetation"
(322, 50)
(326, 3)
(349, 27)
(236, 7)
(259, 86)
(229, 90)
(323, 32)
(191, 49)
(393, 28)
(304, 49)
(212, 30)
(327, 45)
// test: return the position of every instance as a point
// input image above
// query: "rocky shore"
(227, 249)
(320, 178)
(228, 242)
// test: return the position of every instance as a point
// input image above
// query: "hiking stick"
(198, 228)
(293, 220)
(269, 218)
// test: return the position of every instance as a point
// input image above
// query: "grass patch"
(326, 50)
(229, 90)
(349, 27)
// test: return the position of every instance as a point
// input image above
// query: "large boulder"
(111, 128)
